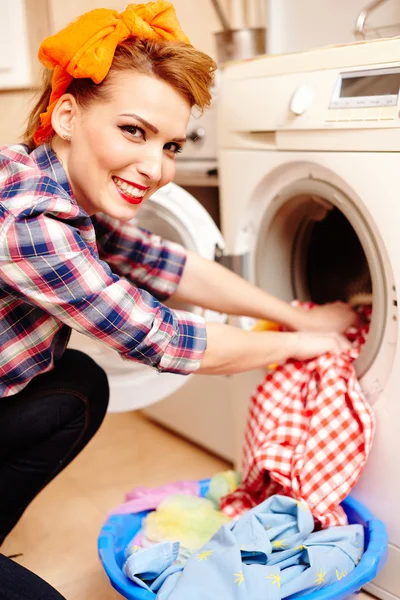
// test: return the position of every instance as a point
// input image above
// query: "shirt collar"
(48, 162)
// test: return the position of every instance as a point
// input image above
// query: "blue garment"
(153, 565)
(271, 552)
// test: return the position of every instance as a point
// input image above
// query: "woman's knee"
(93, 382)
(100, 394)
(88, 383)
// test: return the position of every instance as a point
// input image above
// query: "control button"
(197, 134)
(345, 114)
(301, 100)
(388, 113)
(331, 115)
(372, 114)
(358, 114)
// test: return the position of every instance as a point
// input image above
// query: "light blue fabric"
(268, 554)
(218, 572)
(328, 556)
(152, 564)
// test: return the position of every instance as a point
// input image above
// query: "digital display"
(370, 85)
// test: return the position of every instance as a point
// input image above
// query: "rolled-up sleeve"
(48, 264)
(143, 258)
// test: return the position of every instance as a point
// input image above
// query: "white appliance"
(198, 162)
(310, 171)
(197, 165)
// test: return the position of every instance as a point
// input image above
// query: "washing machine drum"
(315, 245)
(336, 265)
(175, 215)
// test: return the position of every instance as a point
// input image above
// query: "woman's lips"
(136, 185)
(128, 197)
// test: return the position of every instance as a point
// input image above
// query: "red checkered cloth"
(309, 433)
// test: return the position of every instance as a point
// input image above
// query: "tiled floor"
(58, 533)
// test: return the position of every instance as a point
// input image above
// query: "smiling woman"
(102, 138)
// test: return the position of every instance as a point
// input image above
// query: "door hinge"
(238, 263)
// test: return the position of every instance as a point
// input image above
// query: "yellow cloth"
(86, 47)
(263, 325)
(222, 484)
(189, 520)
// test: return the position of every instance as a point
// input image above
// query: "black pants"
(42, 429)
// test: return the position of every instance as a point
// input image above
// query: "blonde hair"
(189, 71)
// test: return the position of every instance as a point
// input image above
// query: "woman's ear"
(63, 115)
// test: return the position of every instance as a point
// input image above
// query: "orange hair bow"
(86, 47)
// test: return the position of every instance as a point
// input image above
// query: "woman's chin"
(125, 213)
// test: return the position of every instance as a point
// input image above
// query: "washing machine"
(309, 167)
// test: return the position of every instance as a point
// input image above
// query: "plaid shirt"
(60, 269)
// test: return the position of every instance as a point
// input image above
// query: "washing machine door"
(175, 215)
(313, 239)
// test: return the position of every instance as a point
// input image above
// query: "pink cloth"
(308, 435)
(146, 498)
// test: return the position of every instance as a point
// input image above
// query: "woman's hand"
(312, 344)
(334, 317)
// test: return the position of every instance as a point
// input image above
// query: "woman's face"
(123, 149)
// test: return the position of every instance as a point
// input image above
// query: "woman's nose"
(151, 166)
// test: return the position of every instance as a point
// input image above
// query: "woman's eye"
(173, 147)
(134, 131)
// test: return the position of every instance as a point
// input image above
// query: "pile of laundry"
(278, 528)
(271, 552)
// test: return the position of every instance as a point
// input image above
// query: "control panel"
(292, 101)
(365, 95)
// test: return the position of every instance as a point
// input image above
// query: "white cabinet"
(15, 69)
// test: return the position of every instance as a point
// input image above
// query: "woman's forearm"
(234, 350)
(210, 285)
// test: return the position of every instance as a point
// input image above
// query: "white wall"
(296, 25)
(15, 104)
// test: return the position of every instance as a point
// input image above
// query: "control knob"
(301, 100)
(197, 134)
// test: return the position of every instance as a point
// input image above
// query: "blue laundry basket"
(119, 530)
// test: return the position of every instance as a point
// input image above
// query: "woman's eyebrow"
(146, 123)
(150, 126)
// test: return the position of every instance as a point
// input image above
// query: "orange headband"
(86, 47)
